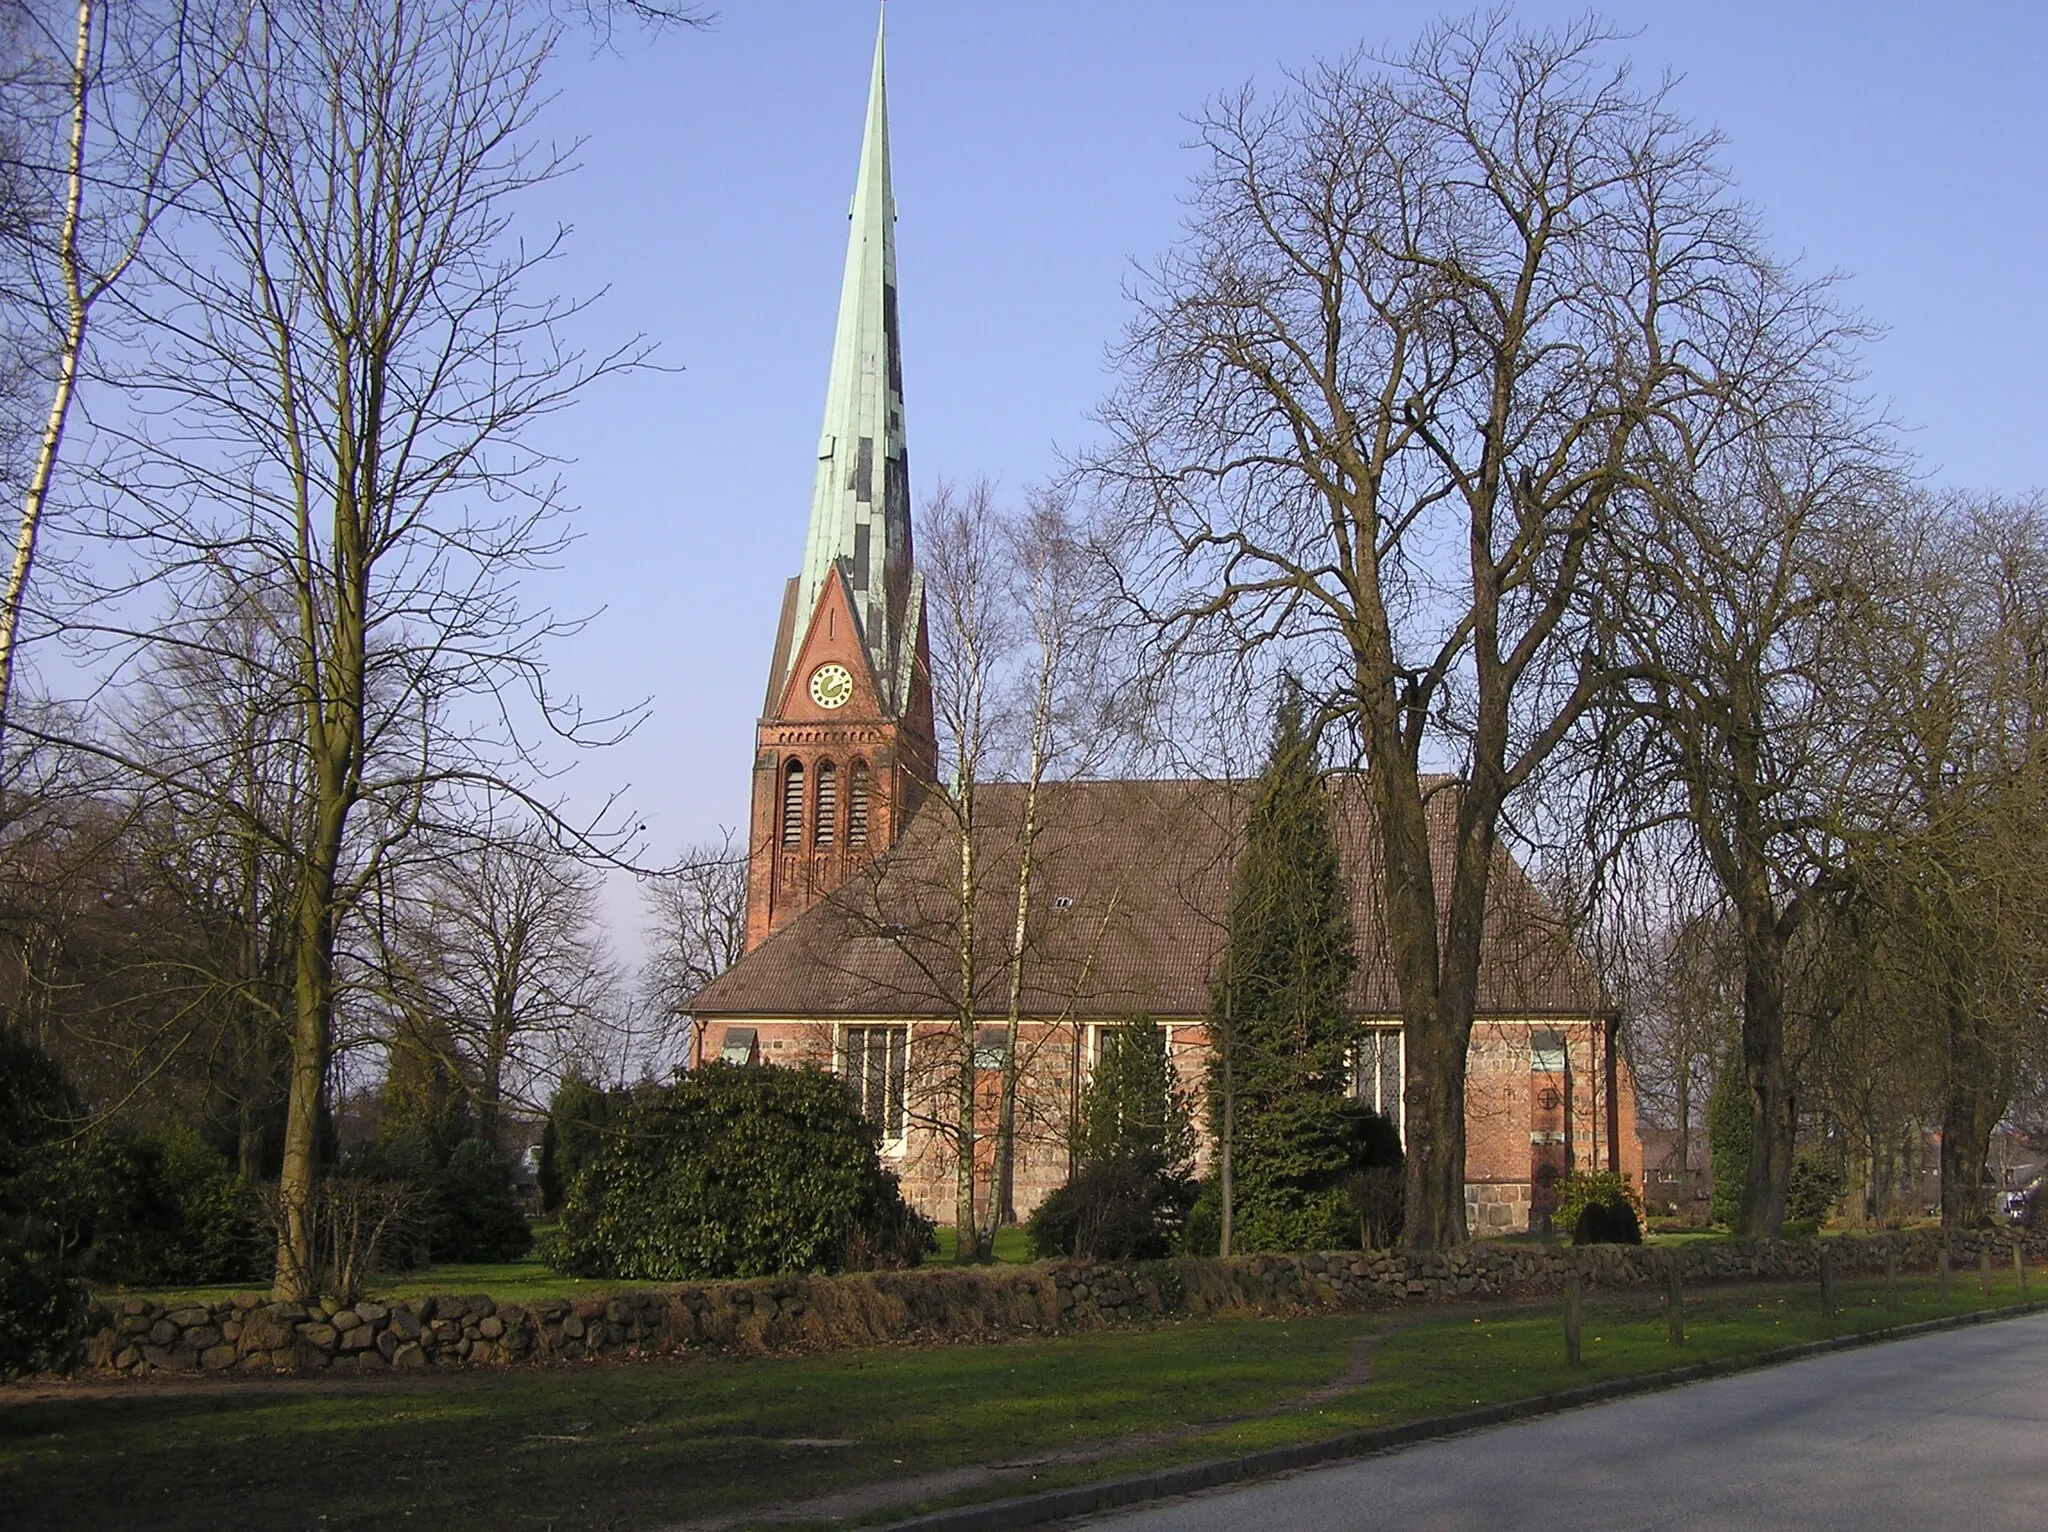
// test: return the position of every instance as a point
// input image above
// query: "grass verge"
(638, 1446)
(527, 1280)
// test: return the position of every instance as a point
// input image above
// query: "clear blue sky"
(1038, 153)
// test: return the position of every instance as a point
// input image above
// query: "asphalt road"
(1943, 1431)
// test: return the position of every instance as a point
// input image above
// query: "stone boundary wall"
(250, 1336)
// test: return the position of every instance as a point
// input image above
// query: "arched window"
(828, 804)
(857, 804)
(793, 804)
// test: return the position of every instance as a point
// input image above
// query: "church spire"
(844, 751)
(860, 504)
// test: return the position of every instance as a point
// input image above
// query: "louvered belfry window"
(857, 804)
(828, 804)
(793, 804)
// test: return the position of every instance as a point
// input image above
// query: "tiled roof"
(1130, 891)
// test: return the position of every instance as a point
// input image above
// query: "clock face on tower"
(831, 685)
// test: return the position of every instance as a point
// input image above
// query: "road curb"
(1166, 1483)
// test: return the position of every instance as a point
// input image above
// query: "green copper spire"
(860, 507)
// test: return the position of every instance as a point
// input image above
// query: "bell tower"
(845, 741)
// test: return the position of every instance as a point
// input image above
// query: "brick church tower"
(845, 742)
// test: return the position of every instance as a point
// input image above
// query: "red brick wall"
(1507, 1108)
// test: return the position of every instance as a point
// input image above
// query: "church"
(864, 957)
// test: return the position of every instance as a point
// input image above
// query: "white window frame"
(1371, 1089)
(895, 1122)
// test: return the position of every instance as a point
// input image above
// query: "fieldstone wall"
(248, 1335)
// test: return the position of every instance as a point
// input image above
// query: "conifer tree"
(1134, 1111)
(1730, 1116)
(1278, 1075)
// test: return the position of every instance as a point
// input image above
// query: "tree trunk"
(297, 1276)
(1613, 1103)
(966, 1233)
(1684, 1137)
(491, 1111)
(70, 352)
(1001, 1203)
(1973, 1099)
(1774, 1121)
(1446, 979)
(1225, 1186)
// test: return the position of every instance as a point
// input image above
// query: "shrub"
(1117, 1211)
(1280, 1027)
(735, 1171)
(1607, 1223)
(359, 1218)
(577, 1117)
(171, 1213)
(42, 1305)
(156, 1208)
(37, 1104)
(1582, 1188)
(1817, 1185)
(1130, 1197)
(1134, 1108)
(455, 1204)
(1378, 1196)
(476, 1212)
(1358, 1204)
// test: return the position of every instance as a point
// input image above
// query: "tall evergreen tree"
(1278, 1077)
(1134, 1111)
(1730, 1119)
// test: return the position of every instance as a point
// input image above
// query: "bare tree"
(347, 367)
(697, 929)
(86, 191)
(1955, 651)
(1737, 720)
(491, 949)
(972, 638)
(1074, 715)
(1379, 407)
(1681, 1013)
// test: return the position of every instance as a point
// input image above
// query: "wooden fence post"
(1571, 1318)
(2019, 1262)
(1984, 1267)
(1944, 1270)
(1674, 1302)
(1891, 1277)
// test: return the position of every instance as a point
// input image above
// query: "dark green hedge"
(735, 1171)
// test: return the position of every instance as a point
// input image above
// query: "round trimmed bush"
(1607, 1223)
(736, 1171)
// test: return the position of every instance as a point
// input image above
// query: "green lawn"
(524, 1281)
(508, 1282)
(639, 1445)
(1013, 1246)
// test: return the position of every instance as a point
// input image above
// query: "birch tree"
(1074, 715)
(89, 186)
(973, 636)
